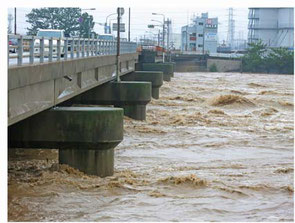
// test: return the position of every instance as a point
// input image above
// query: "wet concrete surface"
(214, 147)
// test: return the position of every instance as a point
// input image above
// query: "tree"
(67, 19)
(253, 60)
(268, 60)
(280, 60)
(86, 25)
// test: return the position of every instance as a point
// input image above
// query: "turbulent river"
(214, 147)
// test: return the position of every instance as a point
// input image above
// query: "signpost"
(122, 27)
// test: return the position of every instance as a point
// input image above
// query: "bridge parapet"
(35, 49)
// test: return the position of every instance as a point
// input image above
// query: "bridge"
(71, 94)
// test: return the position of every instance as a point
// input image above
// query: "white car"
(48, 33)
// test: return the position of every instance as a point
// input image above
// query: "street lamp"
(106, 24)
(163, 32)
(90, 9)
(120, 12)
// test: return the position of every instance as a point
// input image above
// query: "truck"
(50, 33)
(109, 37)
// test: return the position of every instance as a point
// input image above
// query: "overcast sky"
(180, 12)
(141, 17)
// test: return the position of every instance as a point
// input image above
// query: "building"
(274, 26)
(201, 36)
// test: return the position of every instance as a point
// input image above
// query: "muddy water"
(215, 147)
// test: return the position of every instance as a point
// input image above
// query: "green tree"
(280, 60)
(253, 60)
(86, 25)
(67, 19)
(213, 68)
(271, 60)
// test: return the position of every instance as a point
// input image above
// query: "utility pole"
(230, 31)
(159, 38)
(164, 40)
(168, 33)
(168, 38)
(129, 27)
(14, 21)
(120, 12)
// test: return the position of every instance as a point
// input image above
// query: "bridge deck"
(33, 88)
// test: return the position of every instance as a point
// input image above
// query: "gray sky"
(180, 12)
(141, 16)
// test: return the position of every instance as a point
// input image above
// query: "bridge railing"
(33, 49)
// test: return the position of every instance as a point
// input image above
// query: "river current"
(214, 147)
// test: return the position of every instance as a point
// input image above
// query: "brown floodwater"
(214, 147)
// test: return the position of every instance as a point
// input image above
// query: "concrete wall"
(34, 88)
(224, 65)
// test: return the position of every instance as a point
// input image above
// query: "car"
(49, 33)
(12, 44)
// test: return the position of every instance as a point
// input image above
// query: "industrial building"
(274, 26)
(192, 36)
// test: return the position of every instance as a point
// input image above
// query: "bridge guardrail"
(56, 49)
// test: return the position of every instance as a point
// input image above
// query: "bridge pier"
(173, 68)
(166, 68)
(155, 77)
(132, 96)
(85, 136)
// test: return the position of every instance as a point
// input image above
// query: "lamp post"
(106, 30)
(90, 9)
(158, 30)
(163, 32)
(14, 21)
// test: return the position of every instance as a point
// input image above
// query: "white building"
(274, 26)
(201, 36)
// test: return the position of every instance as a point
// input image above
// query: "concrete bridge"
(59, 102)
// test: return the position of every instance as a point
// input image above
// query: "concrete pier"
(132, 96)
(155, 77)
(166, 68)
(85, 136)
(173, 68)
(93, 162)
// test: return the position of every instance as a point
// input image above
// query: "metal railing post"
(88, 46)
(20, 51)
(66, 43)
(96, 47)
(83, 48)
(102, 47)
(8, 51)
(99, 47)
(78, 48)
(58, 50)
(108, 48)
(92, 47)
(42, 50)
(32, 48)
(50, 49)
(72, 48)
